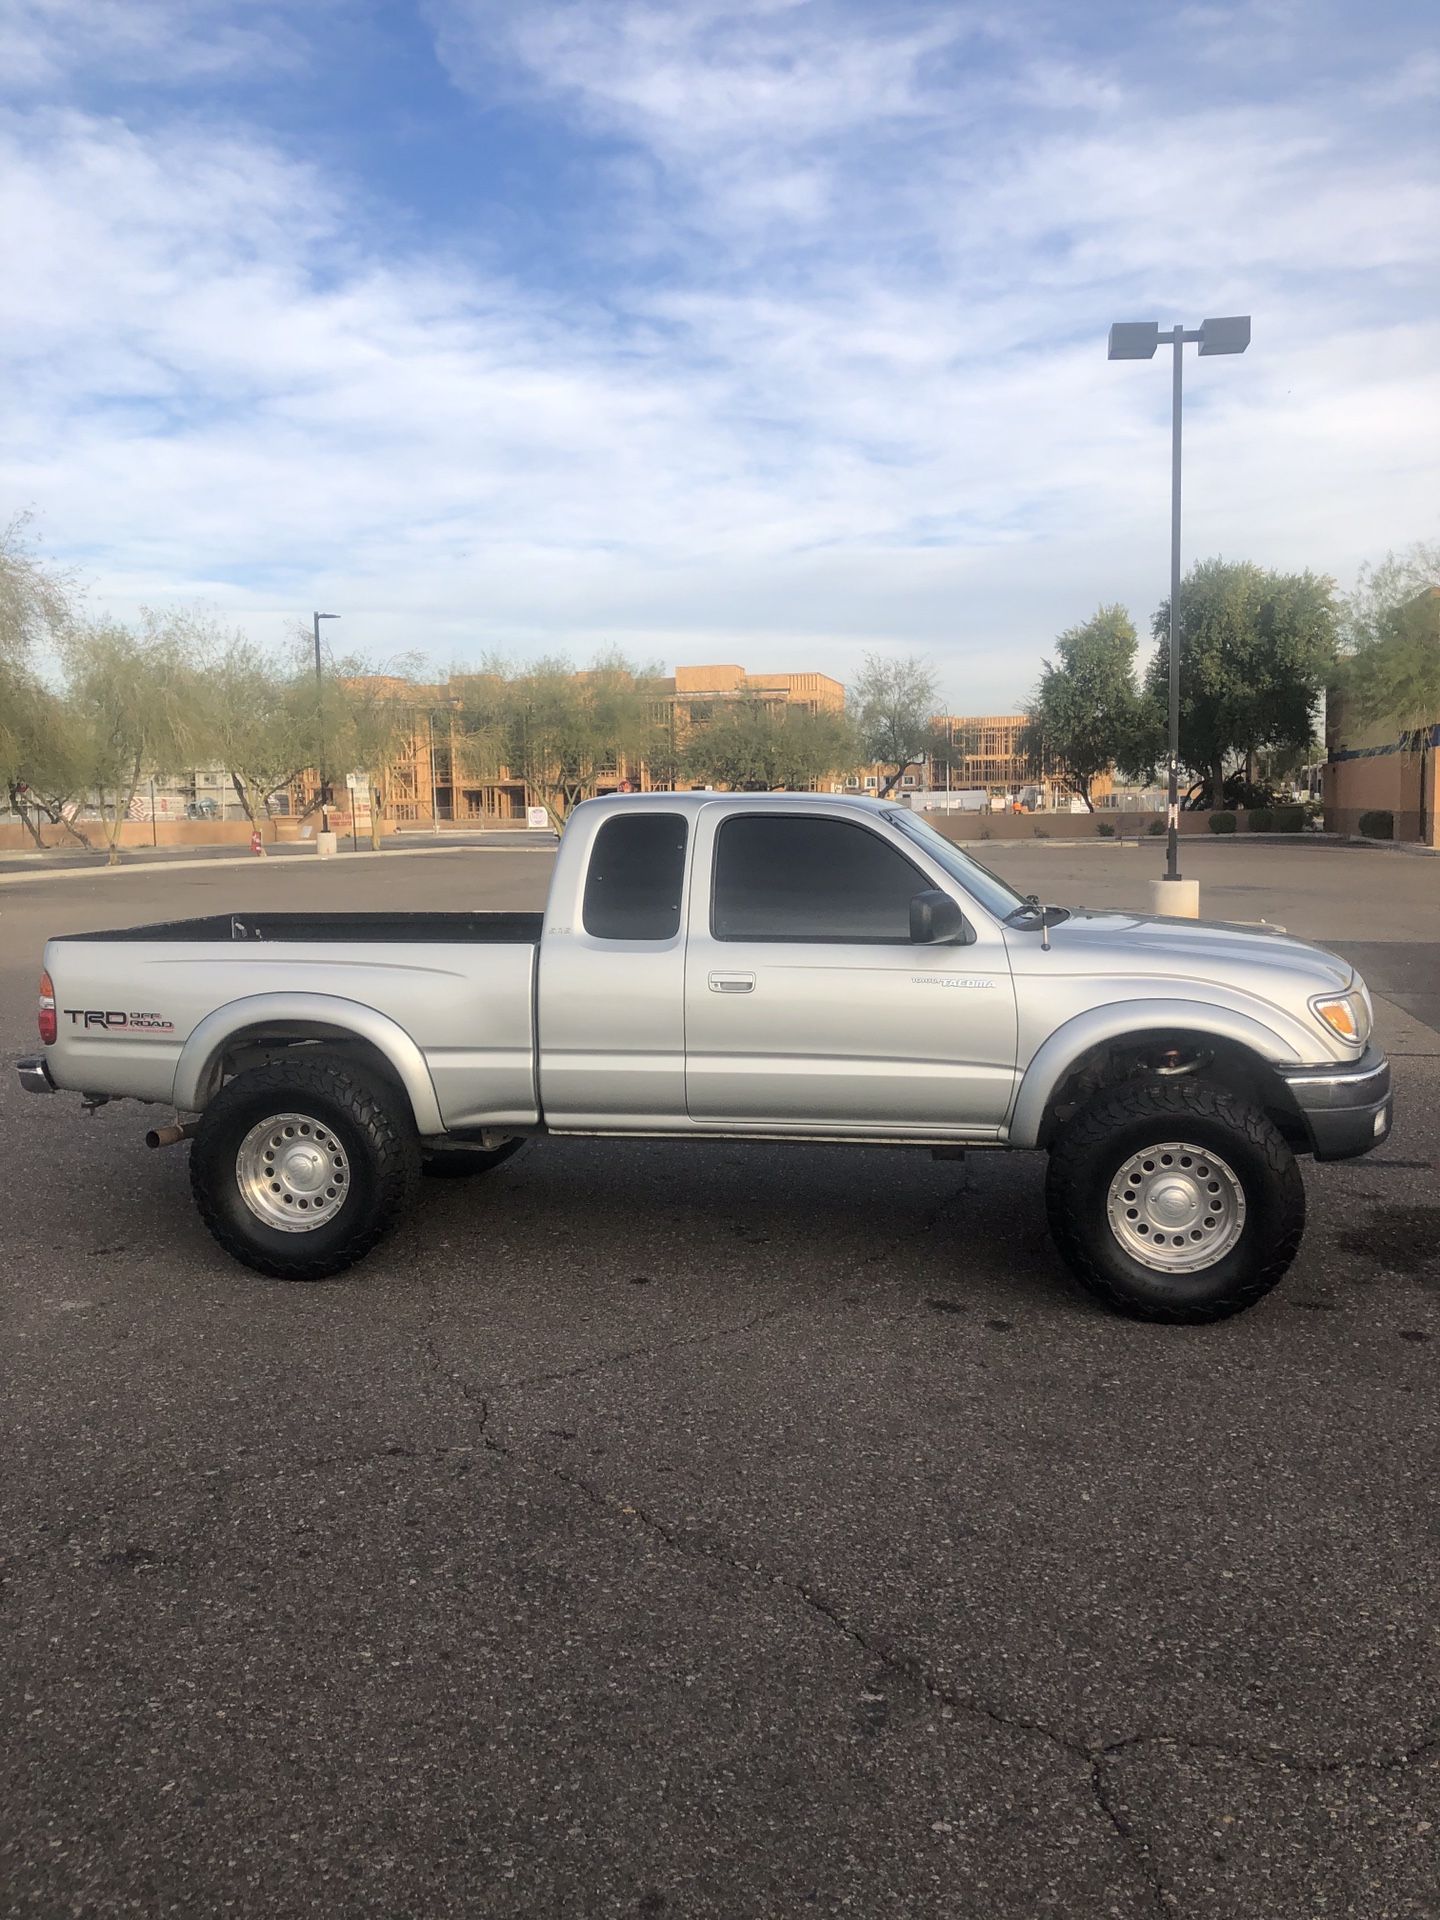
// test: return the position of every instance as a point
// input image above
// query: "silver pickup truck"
(761, 967)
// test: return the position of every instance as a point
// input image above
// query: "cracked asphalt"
(650, 1530)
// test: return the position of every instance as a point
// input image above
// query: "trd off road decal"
(91, 1017)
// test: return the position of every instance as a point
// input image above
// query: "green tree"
(1390, 628)
(35, 612)
(1256, 650)
(55, 762)
(1085, 714)
(750, 745)
(374, 714)
(136, 701)
(254, 714)
(894, 702)
(558, 730)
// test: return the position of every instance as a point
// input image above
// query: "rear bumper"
(1346, 1110)
(34, 1076)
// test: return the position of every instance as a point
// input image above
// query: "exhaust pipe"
(171, 1136)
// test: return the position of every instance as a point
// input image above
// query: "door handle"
(732, 983)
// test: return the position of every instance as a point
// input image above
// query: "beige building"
(425, 781)
(691, 687)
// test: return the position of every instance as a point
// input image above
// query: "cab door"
(807, 1007)
(611, 1001)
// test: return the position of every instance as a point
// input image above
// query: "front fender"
(326, 1015)
(1069, 1043)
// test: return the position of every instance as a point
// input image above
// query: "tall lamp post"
(1139, 340)
(320, 715)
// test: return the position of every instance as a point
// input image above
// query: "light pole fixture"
(320, 715)
(1139, 340)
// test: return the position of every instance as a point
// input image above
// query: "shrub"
(1262, 819)
(1156, 829)
(1289, 819)
(1222, 823)
(1105, 829)
(1378, 824)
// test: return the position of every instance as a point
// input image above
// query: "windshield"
(993, 893)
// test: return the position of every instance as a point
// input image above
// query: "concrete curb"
(245, 858)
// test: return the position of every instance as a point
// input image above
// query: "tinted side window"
(637, 873)
(803, 879)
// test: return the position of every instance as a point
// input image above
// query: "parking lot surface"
(740, 1531)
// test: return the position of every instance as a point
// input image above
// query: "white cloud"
(689, 73)
(845, 385)
(48, 44)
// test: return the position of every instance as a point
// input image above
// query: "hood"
(1143, 945)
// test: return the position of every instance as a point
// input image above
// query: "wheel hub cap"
(1176, 1207)
(292, 1172)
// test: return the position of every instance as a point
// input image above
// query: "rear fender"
(292, 1016)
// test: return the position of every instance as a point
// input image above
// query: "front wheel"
(301, 1167)
(1175, 1201)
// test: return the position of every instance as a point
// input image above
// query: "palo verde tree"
(558, 730)
(1256, 650)
(1085, 714)
(376, 714)
(893, 703)
(255, 716)
(1390, 629)
(752, 745)
(35, 612)
(135, 700)
(52, 761)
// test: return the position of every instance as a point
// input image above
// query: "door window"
(636, 878)
(810, 879)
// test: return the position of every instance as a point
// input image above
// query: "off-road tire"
(465, 1163)
(1094, 1145)
(376, 1131)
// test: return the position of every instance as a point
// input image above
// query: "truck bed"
(309, 929)
(460, 987)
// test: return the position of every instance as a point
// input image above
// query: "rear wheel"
(1175, 1201)
(301, 1167)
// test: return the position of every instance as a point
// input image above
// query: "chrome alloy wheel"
(292, 1172)
(1176, 1208)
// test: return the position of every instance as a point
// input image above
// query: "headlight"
(1347, 1015)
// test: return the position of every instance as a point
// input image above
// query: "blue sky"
(769, 332)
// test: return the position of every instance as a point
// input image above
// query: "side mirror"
(935, 920)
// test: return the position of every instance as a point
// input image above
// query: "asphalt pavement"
(732, 1531)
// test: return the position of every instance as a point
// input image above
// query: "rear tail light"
(48, 1028)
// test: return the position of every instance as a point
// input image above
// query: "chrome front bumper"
(34, 1076)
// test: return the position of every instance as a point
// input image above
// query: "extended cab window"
(799, 879)
(637, 874)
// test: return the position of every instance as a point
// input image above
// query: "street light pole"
(320, 717)
(1139, 340)
(1172, 810)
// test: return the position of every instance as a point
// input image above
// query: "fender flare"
(1059, 1053)
(346, 1019)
